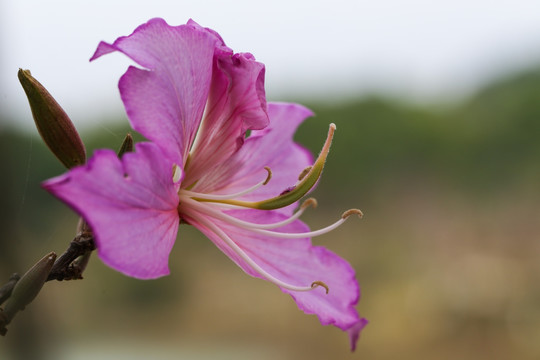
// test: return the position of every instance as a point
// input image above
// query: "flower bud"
(7, 288)
(29, 285)
(52, 122)
(127, 145)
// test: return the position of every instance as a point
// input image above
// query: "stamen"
(209, 210)
(322, 231)
(216, 197)
(309, 202)
(219, 232)
(297, 192)
(307, 182)
(269, 176)
(320, 283)
(224, 206)
(304, 173)
(350, 212)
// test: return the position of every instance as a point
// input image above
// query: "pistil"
(200, 208)
(306, 183)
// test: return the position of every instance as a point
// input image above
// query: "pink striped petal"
(236, 104)
(165, 100)
(297, 262)
(273, 147)
(130, 204)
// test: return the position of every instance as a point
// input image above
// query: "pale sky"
(421, 49)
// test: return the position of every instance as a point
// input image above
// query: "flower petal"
(165, 101)
(354, 332)
(272, 147)
(236, 104)
(296, 262)
(130, 204)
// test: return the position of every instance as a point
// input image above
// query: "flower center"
(307, 180)
(208, 210)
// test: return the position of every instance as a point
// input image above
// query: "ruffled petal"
(354, 332)
(221, 43)
(273, 147)
(236, 104)
(295, 261)
(165, 100)
(130, 204)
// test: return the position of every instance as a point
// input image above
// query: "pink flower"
(195, 100)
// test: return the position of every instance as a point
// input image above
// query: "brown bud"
(52, 122)
(29, 285)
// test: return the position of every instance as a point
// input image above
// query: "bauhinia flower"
(220, 158)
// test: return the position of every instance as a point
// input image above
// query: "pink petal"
(354, 332)
(166, 100)
(130, 204)
(236, 103)
(272, 147)
(221, 43)
(296, 262)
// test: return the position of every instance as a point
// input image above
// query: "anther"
(320, 283)
(309, 202)
(304, 173)
(350, 212)
(269, 175)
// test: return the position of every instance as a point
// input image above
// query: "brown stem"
(64, 267)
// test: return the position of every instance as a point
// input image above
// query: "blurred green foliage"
(446, 255)
(489, 142)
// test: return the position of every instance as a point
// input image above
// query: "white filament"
(262, 228)
(218, 197)
(284, 235)
(219, 232)
(208, 209)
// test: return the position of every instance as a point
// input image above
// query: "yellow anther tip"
(350, 212)
(320, 283)
(269, 175)
(304, 173)
(309, 202)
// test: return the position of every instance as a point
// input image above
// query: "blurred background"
(437, 107)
